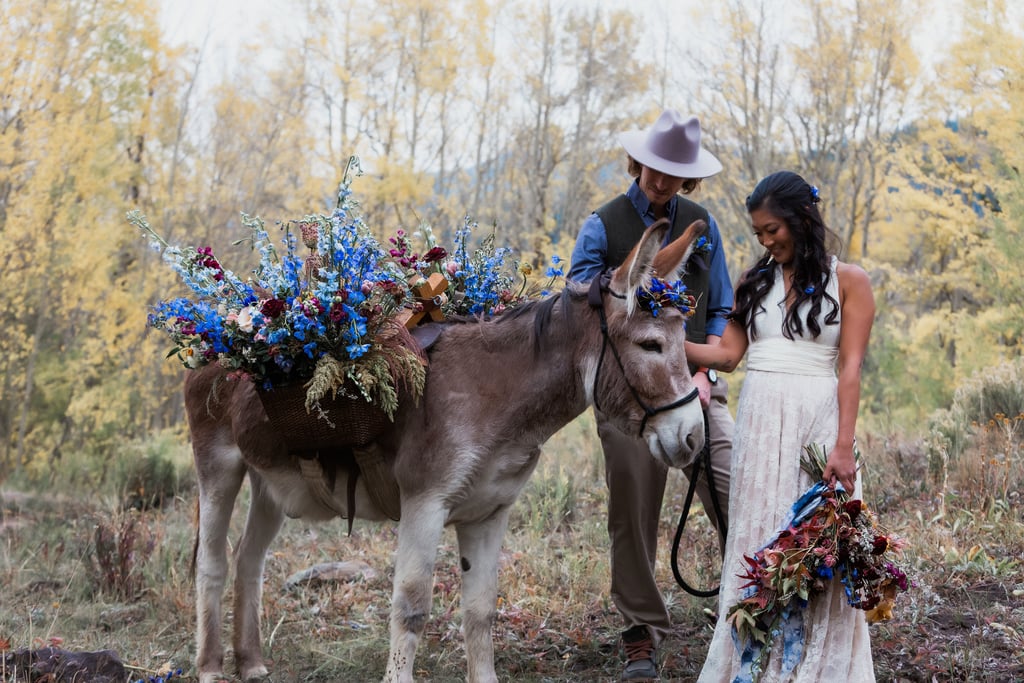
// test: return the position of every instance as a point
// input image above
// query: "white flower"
(190, 358)
(244, 319)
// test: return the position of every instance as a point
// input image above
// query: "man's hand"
(703, 384)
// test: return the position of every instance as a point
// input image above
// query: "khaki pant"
(636, 486)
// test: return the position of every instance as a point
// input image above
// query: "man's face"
(659, 187)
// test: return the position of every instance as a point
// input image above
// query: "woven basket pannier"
(356, 421)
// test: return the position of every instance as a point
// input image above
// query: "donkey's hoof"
(254, 673)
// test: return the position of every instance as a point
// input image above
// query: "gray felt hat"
(671, 146)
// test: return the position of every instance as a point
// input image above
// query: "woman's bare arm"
(858, 315)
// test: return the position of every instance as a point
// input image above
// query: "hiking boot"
(639, 655)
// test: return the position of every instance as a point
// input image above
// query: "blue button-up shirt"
(589, 257)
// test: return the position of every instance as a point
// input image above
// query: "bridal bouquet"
(830, 536)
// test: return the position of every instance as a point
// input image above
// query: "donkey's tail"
(195, 544)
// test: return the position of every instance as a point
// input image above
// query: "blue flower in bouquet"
(555, 270)
(482, 279)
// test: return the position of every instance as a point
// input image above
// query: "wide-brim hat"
(672, 146)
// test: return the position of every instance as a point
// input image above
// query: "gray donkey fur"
(496, 391)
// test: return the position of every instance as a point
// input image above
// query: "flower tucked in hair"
(814, 195)
(661, 294)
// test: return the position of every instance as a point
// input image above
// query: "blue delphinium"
(318, 299)
(482, 277)
(661, 294)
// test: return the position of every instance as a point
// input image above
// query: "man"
(666, 160)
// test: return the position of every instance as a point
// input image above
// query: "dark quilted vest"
(624, 227)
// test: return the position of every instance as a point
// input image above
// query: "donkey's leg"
(220, 473)
(419, 532)
(479, 546)
(261, 526)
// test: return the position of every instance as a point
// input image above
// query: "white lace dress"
(788, 399)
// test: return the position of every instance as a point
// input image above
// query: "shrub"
(975, 443)
(986, 395)
(120, 549)
(152, 473)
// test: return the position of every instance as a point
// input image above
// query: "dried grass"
(555, 620)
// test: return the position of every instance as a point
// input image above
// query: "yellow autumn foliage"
(505, 112)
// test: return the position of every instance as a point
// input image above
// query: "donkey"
(496, 390)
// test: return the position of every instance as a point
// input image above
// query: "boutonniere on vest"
(701, 254)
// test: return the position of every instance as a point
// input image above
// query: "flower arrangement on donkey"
(335, 319)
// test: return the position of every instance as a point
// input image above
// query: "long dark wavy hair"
(794, 201)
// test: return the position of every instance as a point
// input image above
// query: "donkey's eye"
(651, 345)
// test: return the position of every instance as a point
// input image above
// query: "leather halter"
(596, 300)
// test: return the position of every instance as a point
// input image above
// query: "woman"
(800, 316)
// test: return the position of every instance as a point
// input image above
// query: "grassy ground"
(66, 581)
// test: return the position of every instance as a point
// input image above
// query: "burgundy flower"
(435, 254)
(897, 573)
(272, 308)
(880, 545)
(315, 307)
(337, 312)
(204, 257)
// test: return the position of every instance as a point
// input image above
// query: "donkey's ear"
(670, 260)
(638, 268)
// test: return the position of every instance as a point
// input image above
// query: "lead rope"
(705, 460)
(594, 298)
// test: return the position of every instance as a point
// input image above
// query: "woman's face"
(773, 234)
(659, 187)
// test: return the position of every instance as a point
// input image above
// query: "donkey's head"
(643, 384)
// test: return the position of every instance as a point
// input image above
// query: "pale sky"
(230, 23)
(227, 24)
